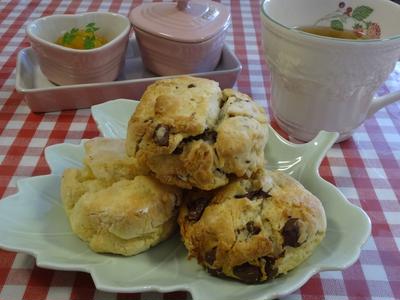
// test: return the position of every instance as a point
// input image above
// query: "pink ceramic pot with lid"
(180, 37)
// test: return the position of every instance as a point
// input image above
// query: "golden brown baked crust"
(252, 229)
(107, 160)
(75, 183)
(114, 208)
(192, 134)
(128, 217)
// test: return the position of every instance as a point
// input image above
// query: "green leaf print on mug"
(362, 12)
(355, 19)
(337, 25)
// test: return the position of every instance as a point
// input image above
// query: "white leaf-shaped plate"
(33, 221)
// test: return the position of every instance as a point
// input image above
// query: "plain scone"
(128, 217)
(107, 159)
(189, 133)
(252, 229)
(113, 204)
(105, 162)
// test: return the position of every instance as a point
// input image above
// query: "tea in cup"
(327, 58)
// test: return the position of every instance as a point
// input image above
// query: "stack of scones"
(194, 157)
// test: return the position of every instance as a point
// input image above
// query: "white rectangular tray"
(43, 96)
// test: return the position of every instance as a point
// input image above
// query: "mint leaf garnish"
(69, 36)
(88, 43)
(91, 27)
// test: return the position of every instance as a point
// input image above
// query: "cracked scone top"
(113, 205)
(105, 162)
(252, 229)
(127, 217)
(189, 133)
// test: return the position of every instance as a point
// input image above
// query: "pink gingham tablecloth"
(366, 168)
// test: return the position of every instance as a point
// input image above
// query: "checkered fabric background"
(366, 168)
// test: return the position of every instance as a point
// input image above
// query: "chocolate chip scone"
(252, 229)
(189, 133)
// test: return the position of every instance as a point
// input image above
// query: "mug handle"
(379, 102)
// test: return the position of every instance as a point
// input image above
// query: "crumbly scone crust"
(107, 160)
(192, 134)
(114, 207)
(127, 217)
(76, 182)
(252, 229)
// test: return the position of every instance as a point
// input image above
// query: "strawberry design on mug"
(357, 17)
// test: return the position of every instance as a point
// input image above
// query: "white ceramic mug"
(322, 83)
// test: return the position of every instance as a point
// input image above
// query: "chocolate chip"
(290, 233)
(216, 272)
(252, 229)
(178, 150)
(211, 255)
(252, 195)
(196, 208)
(248, 273)
(161, 135)
(269, 267)
(191, 86)
(258, 194)
(207, 135)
